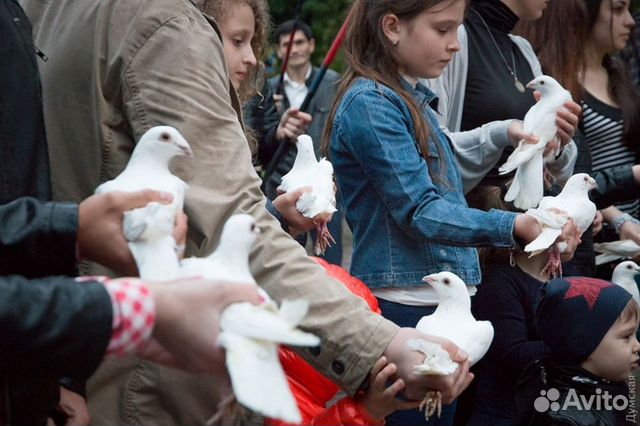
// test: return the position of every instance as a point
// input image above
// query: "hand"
(186, 330)
(285, 203)
(416, 386)
(380, 400)
(571, 236)
(567, 120)
(100, 236)
(516, 134)
(630, 231)
(74, 408)
(526, 228)
(293, 123)
(597, 223)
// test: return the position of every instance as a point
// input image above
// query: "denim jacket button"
(446, 267)
(443, 252)
(337, 367)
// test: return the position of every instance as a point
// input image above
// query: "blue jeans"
(408, 316)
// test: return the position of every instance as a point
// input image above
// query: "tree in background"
(325, 18)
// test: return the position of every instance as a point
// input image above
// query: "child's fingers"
(381, 362)
(392, 390)
(381, 379)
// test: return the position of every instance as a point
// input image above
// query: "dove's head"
(544, 84)
(240, 233)
(448, 286)
(626, 270)
(305, 148)
(164, 141)
(580, 183)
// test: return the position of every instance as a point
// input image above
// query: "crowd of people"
(429, 105)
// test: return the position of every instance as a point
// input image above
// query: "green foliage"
(325, 18)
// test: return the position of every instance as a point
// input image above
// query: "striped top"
(604, 130)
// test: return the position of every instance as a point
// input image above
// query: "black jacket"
(574, 385)
(24, 164)
(49, 327)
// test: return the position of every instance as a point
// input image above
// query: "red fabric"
(311, 389)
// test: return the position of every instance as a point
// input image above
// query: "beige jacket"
(118, 67)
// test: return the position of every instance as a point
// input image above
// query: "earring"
(395, 42)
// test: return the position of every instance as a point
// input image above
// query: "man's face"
(300, 51)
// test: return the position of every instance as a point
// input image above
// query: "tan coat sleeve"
(178, 78)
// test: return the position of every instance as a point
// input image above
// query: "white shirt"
(296, 92)
(413, 296)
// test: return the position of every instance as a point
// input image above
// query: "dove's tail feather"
(543, 242)
(601, 259)
(252, 366)
(256, 322)
(312, 205)
(293, 311)
(530, 184)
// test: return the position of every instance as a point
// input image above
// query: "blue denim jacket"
(405, 224)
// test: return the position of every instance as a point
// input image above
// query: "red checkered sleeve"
(133, 314)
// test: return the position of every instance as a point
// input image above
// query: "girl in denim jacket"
(396, 168)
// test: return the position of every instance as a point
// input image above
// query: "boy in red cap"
(590, 328)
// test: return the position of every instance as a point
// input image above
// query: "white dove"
(615, 250)
(574, 201)
(527, 187)
(451, 320)
(149, 229)
(249, 333)
(624, 275)
(320, 203)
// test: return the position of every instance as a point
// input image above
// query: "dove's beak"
(593, 184)
(186, 150)
(429, 279)
(532, 85)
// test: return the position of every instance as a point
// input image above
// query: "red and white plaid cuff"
(133, 314)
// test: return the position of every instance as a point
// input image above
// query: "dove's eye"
(629, 267)
(585, 179)
(253, 227)
(542, 83)
(446, 281)
(165, 136)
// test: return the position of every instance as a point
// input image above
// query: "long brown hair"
(560, 37)
(369, 54)
(561, 30)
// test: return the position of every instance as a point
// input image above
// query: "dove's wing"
(551, 224)
(601, 259)
(523, 153)
(258, 380)
(256, 322)
(479, 340)
(624, 248)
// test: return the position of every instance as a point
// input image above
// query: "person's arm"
(53, 324)
(478, 151)
(380, 140)
(38, 238)
(222, 181)
(615, 185)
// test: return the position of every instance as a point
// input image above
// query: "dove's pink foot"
(229, 412)
(324, 238)
(554, 265)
